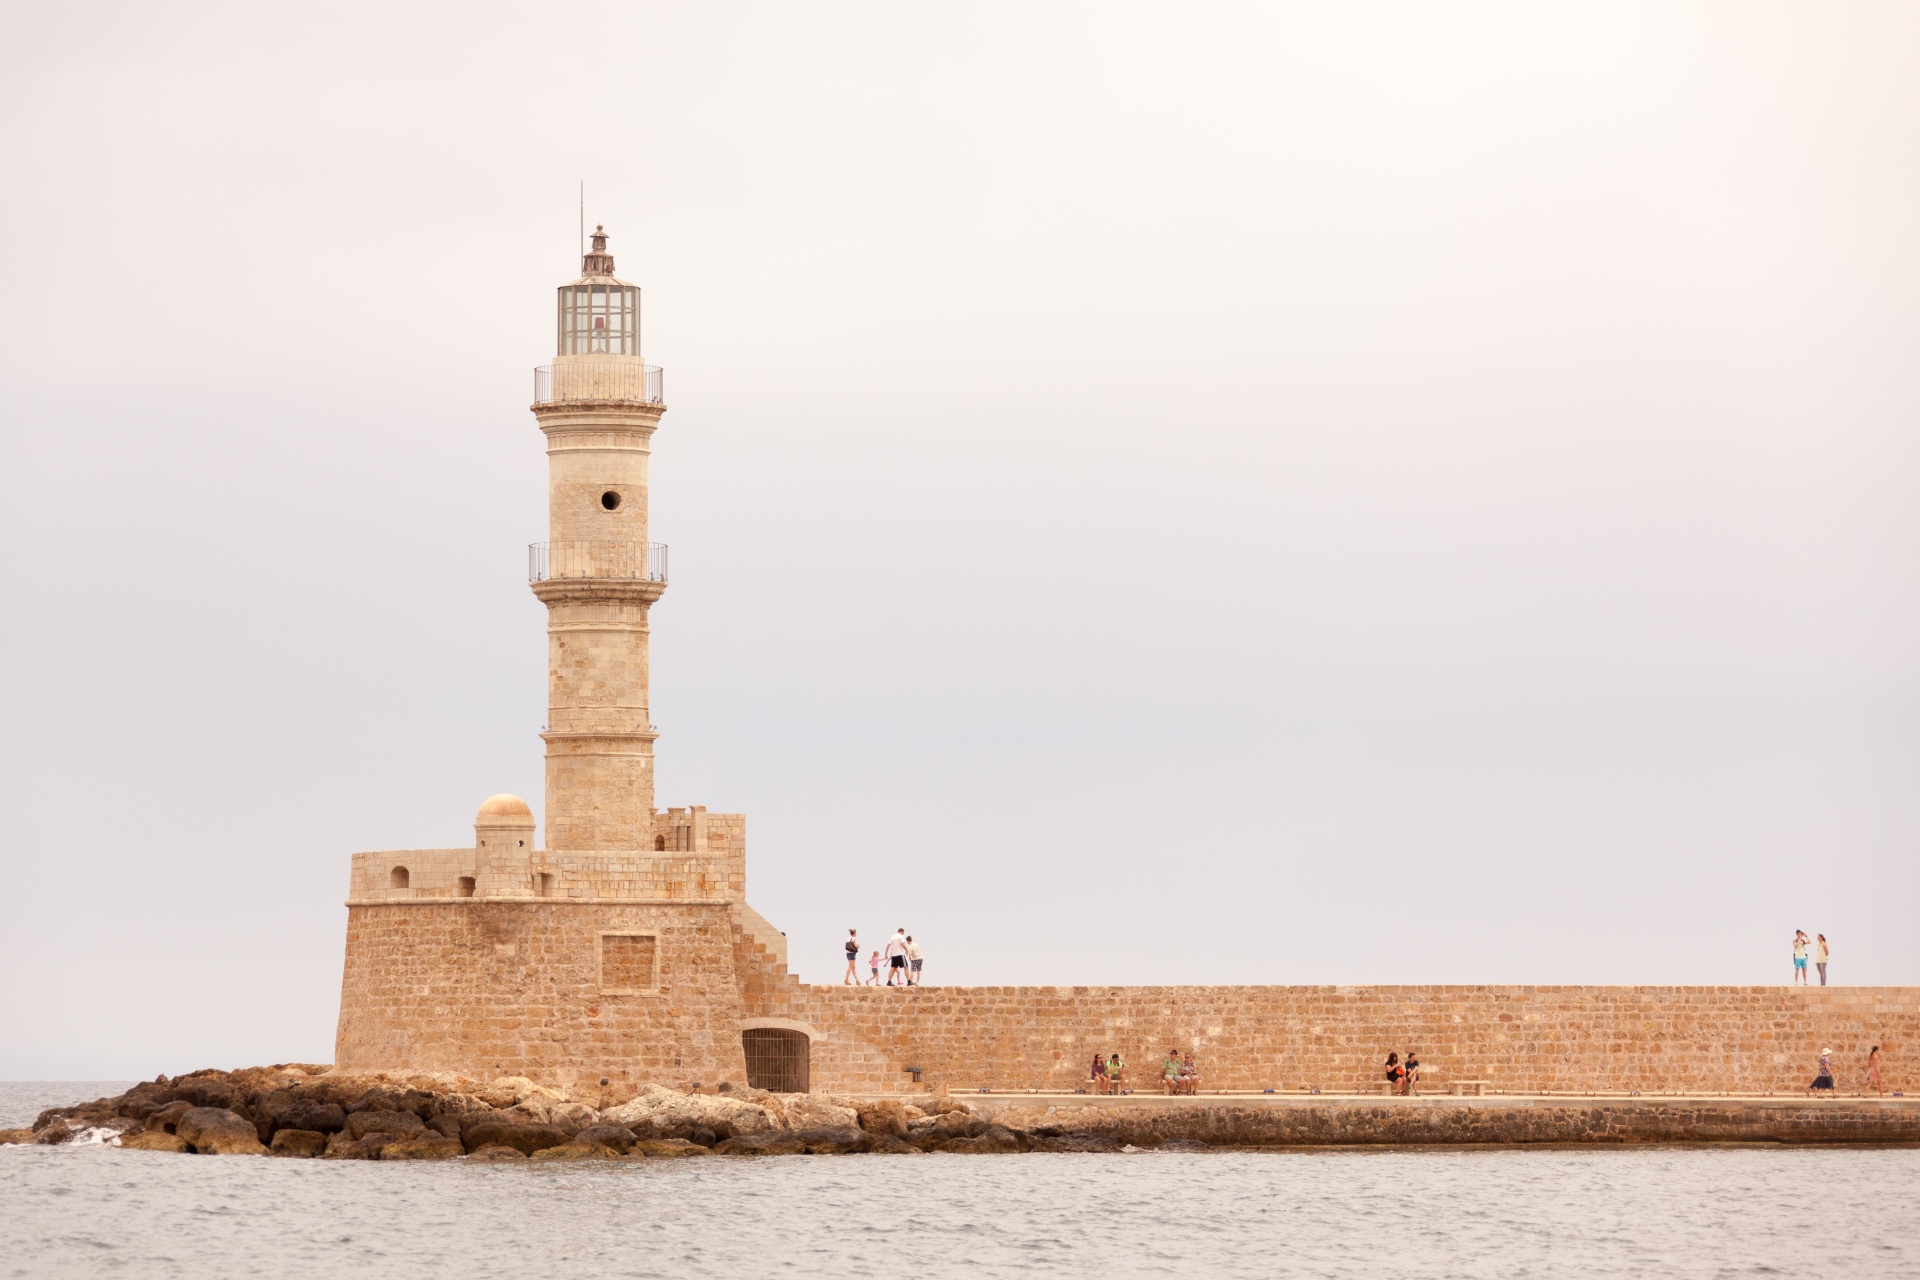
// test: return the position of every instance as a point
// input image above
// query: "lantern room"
(599, 315)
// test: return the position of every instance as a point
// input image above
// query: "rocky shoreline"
(311, 1112)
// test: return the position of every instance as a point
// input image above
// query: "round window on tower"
(610, 500)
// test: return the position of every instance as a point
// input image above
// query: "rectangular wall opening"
(629, 964)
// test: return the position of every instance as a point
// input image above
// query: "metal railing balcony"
(622, 381)
(624, 560)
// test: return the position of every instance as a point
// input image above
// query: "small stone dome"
(503, 806)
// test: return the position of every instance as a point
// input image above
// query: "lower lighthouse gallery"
(621, 946)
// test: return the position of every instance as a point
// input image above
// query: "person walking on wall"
(1799, 958)
(1820, 957)
(1824, 1080)
(853, 957)
(873, 963)
(1395, 1076)
(897, 958)
(1873, 1070)
(913, 962)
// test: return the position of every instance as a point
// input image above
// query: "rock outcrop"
(300, 1143)
(219, 1131)
(303, 1112)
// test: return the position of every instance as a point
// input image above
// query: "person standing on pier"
(897, 958)
(1873, 1070)
(1799, 958)
(1820, 957)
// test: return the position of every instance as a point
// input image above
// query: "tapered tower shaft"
(598, 574)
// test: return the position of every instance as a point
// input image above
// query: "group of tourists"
(1820, 950)
(1823, 1078)
(901, 959)
(1403, 1077)
(1177, 1074)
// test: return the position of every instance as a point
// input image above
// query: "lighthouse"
(598, 404)
(621, 947)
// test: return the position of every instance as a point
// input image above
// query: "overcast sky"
(1313, 493)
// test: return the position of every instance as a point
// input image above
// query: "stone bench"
(1428, 1083)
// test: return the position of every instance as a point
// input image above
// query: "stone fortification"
(565, 993)
(525, 988)
(623, 947)
(1512, 1038)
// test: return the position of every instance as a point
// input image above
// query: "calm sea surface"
(93, 1211)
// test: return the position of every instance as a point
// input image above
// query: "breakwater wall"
(1569, 1039)
(1449, 1121)
(664, 991)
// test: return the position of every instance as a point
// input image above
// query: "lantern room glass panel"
(599, 319)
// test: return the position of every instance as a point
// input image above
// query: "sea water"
(90, 1210)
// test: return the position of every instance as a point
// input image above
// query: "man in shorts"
(897, 958)
(913, 962)
(1799, 958)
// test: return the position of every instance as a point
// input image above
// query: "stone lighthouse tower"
(598, 575)
(623, 950)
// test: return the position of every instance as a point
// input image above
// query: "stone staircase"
(838, 1064)
(760, 958)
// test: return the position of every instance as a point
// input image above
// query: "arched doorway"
(777, 1059)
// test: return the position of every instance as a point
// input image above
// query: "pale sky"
(1286, 493)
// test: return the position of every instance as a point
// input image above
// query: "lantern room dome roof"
(596, 264)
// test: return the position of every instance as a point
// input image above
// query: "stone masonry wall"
(514, 988)
(1710, 1039)
(492, 987)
